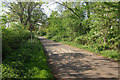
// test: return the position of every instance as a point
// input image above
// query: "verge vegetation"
(19, 60)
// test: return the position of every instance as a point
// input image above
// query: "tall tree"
(26, 11)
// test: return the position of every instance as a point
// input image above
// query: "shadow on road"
(69, 63)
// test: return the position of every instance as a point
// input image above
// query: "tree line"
(92, 24)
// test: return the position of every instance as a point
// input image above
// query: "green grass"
(113, 54)
(24, 64)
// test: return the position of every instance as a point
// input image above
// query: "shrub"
(103, 47)
(12, 39)
(81, 40)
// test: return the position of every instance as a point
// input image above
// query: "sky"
(49, 7)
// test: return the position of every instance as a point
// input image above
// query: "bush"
(103, 47)
(12, 39)
(26, 63)
(81, 40)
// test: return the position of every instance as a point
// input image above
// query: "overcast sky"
(49, 7)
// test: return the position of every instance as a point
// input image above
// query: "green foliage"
(24, 64)
(26, 13)
(92, 25)
(111, 54)
(81, 40)
(3, 19)
(19, 61)
(97, 48)
(12, 39)
(103, 47)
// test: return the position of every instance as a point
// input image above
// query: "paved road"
(72, 63)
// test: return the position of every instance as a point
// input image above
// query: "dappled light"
(59, 40)
(73, 63)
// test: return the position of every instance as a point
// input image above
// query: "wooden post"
(31, 28)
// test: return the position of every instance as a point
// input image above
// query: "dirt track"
(72, 63)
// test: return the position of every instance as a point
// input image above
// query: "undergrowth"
(26, 63)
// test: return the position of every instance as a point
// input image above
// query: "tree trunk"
(106, 30)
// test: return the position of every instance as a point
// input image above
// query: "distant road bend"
(69, 63)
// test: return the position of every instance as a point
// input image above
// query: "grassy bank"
(113, 54)
(23, 64)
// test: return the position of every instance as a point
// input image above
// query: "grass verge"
(24, 64)
(112, 54)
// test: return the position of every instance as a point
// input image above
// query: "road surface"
(69, 63)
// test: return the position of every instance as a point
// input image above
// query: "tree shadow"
(72, 65)
(69, 64)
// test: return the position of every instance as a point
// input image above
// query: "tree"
(26, 12)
